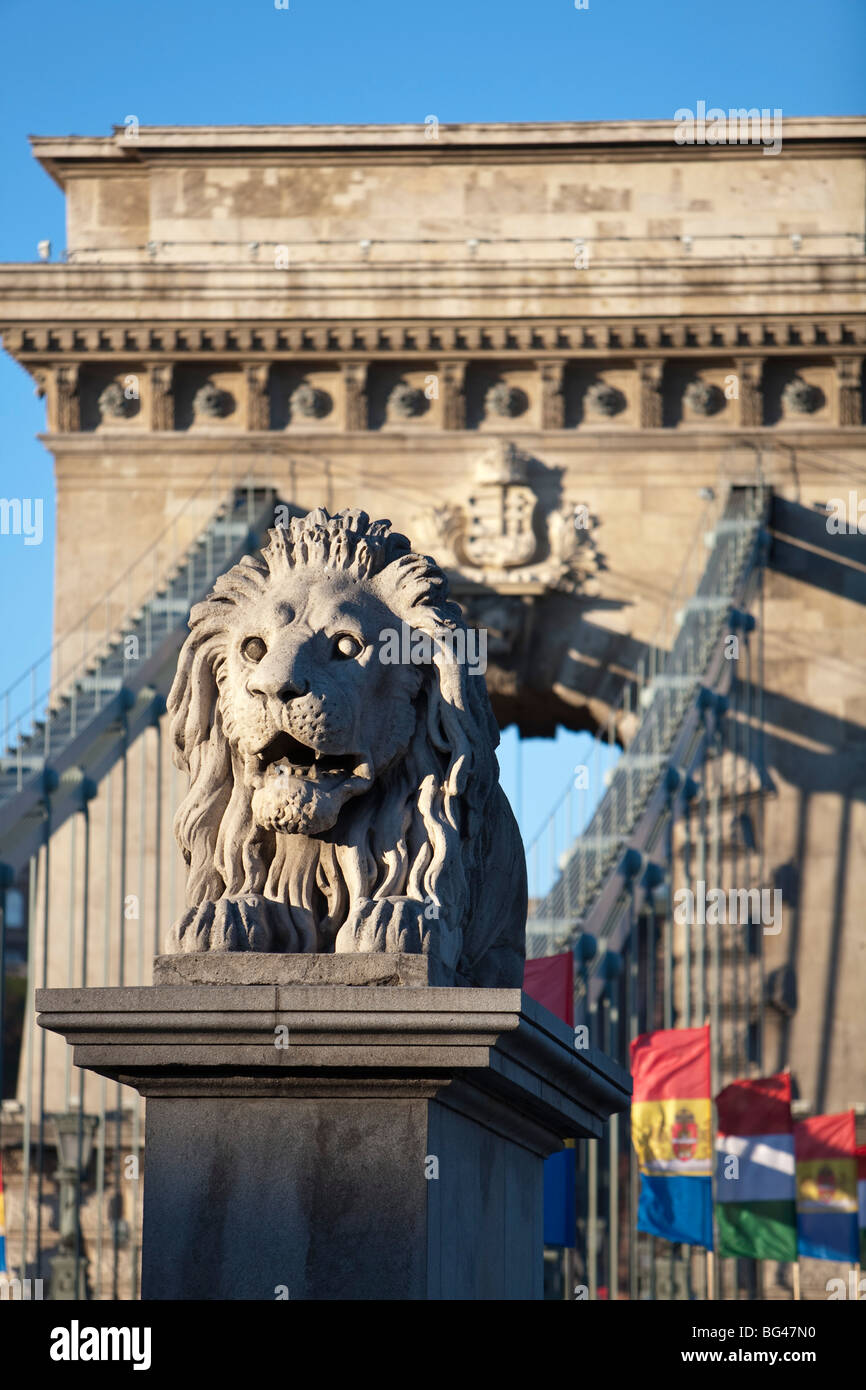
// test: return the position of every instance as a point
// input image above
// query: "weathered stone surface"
(344, 791)
(330, 1142)
(258, 968)
(311, 1198)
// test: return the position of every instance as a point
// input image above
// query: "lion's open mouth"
(286, 756)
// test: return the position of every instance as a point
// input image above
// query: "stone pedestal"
(329, 1127)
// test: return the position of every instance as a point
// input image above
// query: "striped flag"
(3, 1269)
(825, 1148)
(861, 1200)
(756, 1190)
(671, 1128)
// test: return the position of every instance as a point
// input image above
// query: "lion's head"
(322, 771)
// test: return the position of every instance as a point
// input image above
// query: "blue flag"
(677, 1209)
(560, 1216)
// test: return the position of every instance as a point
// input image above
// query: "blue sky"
(82, 68)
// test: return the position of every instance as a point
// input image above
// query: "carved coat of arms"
(503, 534)
(510, 549)
(499, 524)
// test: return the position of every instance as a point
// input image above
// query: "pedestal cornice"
(339, 1040)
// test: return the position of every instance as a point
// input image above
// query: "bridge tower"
(563, 358)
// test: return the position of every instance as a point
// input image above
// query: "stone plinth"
(261, 968)
(339, 1140)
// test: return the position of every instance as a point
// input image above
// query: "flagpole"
(633, 981)
(592, 1020)
(592, 1216)
(613, 1130)
(714, 1124)
(715, 945)
(652, 946)
(668, 981)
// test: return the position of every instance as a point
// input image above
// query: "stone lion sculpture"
(344, 790)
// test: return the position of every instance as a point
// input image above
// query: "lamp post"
(73, 1136)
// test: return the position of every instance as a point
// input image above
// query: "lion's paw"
(386, 924)
(247, 923)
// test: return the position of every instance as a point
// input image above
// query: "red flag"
(671, 1064)
(549, 980)
(826, 1137)
(756, 1105)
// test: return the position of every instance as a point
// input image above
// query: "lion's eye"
(347, 646)
(253, 648)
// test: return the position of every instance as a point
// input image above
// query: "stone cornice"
(198, 1039)
(64, 156)
(419, 155)
(36, 344)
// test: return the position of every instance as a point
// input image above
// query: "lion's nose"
(278, 686)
